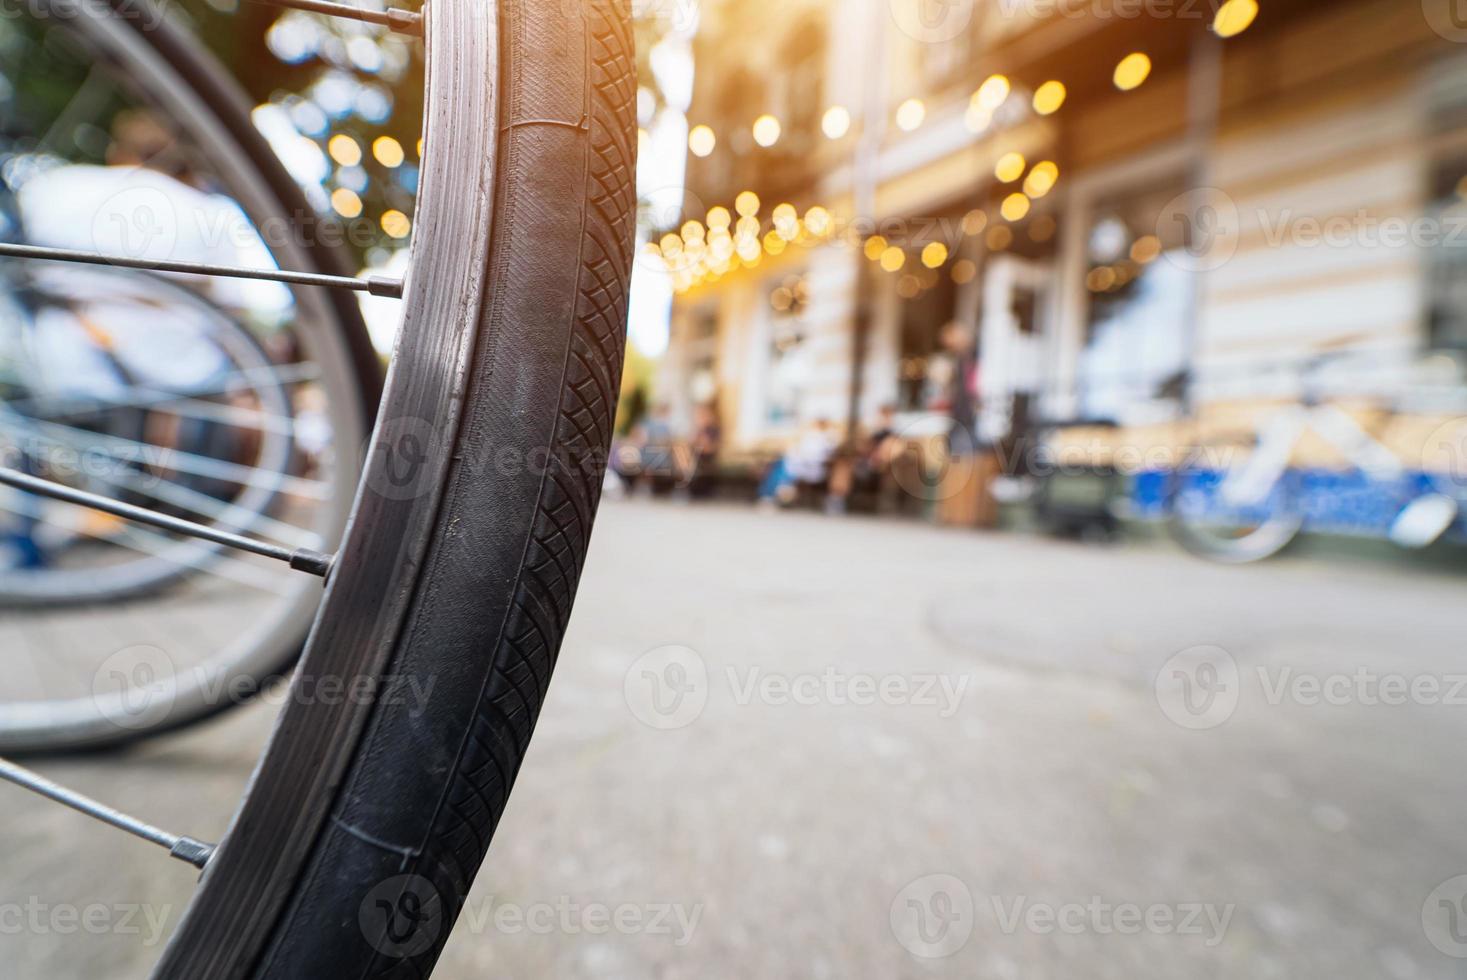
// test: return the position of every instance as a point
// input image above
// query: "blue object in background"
(1331, 501)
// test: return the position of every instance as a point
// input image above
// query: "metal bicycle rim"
(250, 878)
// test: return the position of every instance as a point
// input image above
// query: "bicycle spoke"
(301, 559)
(376, 285)
(191, 408)
(155, 545)
(401, 21)
(266, 453)
(219, 511)
(120, 447)
(284, 374)
(202, 560)
(188, 849)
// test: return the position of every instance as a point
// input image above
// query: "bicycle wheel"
(152, 410)
(150, 65)
(1206, 519)
(367, 819)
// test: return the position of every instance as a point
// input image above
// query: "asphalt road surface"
(787, 745)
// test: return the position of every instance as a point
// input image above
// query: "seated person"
(706, 442)
(862, 469)
(806, 464)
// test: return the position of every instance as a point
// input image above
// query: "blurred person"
(659, 451)
(706, 442)
(864, 469)
(649, 454)
(803, 468)
(963, 497)
(962, 402)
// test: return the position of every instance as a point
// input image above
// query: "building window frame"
(1065, 340)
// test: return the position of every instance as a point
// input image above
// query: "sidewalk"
(789, 746)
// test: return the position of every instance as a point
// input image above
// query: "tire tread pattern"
(518, 681)
(425, 792)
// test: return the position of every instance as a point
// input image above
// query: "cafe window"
(1446, 209)
(1446, 260)
(700, 352)
(928, 303)
(788, 373)
(1139, 282)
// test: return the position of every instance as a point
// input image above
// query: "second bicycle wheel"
(1230, 507)
(246, 406)
(367, 819)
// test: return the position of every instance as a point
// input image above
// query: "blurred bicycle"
(240, 405)
(1244, 495)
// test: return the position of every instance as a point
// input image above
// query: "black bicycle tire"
(346, 805)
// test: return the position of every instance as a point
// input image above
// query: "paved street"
(785, 745)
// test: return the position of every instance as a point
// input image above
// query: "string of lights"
(703, 252)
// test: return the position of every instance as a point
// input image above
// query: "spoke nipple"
(306, 560)
(385, 286)
(195, 852)
(405, 21)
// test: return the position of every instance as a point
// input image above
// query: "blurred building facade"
(1137, 219)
